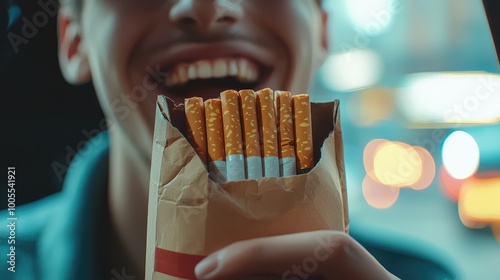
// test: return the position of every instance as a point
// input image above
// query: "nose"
(205, 15)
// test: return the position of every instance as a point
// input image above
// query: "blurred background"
(420, 98)
(43, 118)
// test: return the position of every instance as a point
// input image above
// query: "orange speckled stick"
(303, 132)
(253, 158)
(285, 133)
(195, 121)
(215, 140)
(269, 132)
(232, 135)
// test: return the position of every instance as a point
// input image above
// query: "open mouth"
(208, 77)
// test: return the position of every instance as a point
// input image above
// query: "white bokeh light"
(455, 97)
(460, 155)
(371, 17)
(352, 70)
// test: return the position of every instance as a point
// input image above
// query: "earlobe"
(73, 58)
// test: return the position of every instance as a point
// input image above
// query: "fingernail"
(204, 269)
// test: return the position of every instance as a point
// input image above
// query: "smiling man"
(133, 50)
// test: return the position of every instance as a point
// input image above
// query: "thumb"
(322, 254)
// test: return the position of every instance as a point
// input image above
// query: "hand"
(309, 255)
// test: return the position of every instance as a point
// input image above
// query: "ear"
(324, 37)
(73, 58)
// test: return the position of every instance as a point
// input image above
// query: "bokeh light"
(480, 200)
(397, 164)
(391, 165)
(460, 155)
(457, 98)
(472, 224)
(370, 17)
(428, 169)
(496, 230)
(371, 106)
(378, 195)
(369, 156)
(352, 70)
(450, 186)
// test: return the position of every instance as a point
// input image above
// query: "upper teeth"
(244, 69)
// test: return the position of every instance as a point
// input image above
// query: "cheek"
(305, 30)
(110, 35)
(299, 27)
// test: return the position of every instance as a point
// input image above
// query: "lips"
(206, 69)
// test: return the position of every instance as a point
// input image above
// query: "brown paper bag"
(191, 216)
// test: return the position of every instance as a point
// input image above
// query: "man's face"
(138, 49)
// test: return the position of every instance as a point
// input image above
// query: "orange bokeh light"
(398, 164)
(496, 230)
(450, 186)
(369, 156)
(378, 195)
(391, 165)
(428, 169)
(479, 200)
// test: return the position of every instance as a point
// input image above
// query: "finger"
(330, 254)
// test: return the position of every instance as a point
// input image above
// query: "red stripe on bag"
(176, 264)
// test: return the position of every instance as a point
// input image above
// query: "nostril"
(204, 14)
(226, 19)
(187, 21)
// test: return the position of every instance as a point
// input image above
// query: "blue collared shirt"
(60, 236)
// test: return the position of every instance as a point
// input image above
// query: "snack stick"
(303, 131)
(269, 132)
(195, 121)
(252, 152)
(285, 132)
(235, 161)
(215, 140)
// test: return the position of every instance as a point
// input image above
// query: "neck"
(128, 202)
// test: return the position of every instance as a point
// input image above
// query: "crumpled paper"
(191, 216)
